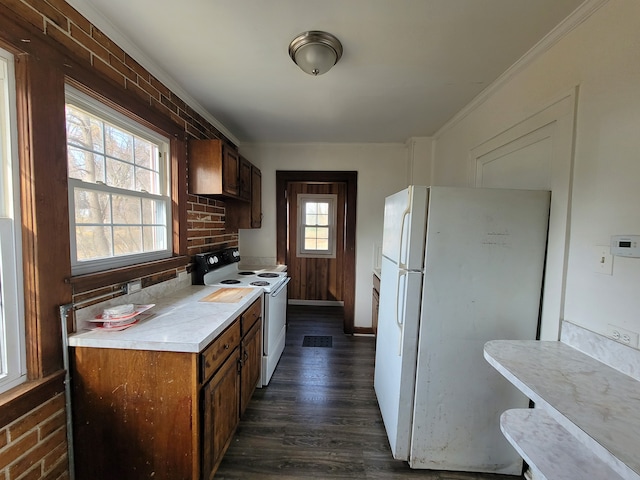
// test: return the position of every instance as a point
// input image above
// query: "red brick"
(38, 415)
(71, 13)
(63, 38)
(169, 104)
(84, 39)
(52, 424)
(4, 439)
(147, 87)
(51, 13)
(14, 450)
(34, 474)
(37, 454)
(160, 86)
(122, 68)
(136, 67)
(55, 456)
(106, 42)
(60, 471)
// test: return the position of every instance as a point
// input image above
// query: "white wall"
(602, 56)
(382, 170)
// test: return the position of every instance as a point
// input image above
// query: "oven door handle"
(281, 287)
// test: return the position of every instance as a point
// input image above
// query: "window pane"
(153, 212)
(311, 207)
(118, 143)
(322, 233)
(310, 219)
(323, 220)
(323, 207)
(309, 243)
(310, 232)
(86, 166)
(120, 174)
(146, 154)
(127, 240)
(92, 207)
(126, 210)
(84, 130)
(322, 244)
(154, 238)
(93, 242)
(147, 181)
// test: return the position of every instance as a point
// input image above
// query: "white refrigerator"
(460, 267)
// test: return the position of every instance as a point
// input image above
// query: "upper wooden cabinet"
(215, 168)
(243, 214)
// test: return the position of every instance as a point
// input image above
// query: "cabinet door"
(230, 174)
(251, 363)
(245, 179)
(256, 197)
(220, 404)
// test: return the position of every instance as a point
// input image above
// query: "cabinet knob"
(226, 346)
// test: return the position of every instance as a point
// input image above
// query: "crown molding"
(108, 28)
(577, 17)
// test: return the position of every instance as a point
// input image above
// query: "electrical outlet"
(603, 260)
(620, 335)
(134, 286)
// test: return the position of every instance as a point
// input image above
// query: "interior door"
(316, 278)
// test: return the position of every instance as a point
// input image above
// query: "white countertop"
(180, 322)
(595, 403)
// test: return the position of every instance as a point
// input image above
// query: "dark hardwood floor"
(319, 417)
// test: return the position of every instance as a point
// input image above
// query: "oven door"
(274, 329)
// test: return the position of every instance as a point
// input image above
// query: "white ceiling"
(408, 65)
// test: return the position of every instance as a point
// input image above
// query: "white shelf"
(594, 403)
(549, 449)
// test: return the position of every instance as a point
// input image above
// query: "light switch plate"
(603, 260)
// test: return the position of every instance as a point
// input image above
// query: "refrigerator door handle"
(405, 214)
(399, 317)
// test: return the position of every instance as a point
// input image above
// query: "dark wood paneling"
(316, 278)
(44, 209)
(349, 261)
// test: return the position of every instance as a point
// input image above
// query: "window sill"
(91, 281)
(25, 397)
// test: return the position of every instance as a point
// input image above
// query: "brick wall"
(35, 445)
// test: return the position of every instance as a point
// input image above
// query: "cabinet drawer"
(217, 352)
(251, 315)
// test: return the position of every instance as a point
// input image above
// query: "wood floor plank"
(319, 416)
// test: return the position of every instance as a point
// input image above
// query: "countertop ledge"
(180, 322)
(595, 403)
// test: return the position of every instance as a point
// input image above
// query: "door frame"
(350, 178)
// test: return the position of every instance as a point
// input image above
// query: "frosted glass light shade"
(315, 52)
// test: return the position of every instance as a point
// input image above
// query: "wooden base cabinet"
(163, 415)
(220, 407)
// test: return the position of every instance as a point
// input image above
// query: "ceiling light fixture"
(315, 52)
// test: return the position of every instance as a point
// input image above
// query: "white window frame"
(94, 107)
(303, 199)
(13, 370)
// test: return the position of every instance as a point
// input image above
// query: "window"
(316, 225)
(12, 338)
(119, 200)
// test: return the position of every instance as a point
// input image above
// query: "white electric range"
(220, 269)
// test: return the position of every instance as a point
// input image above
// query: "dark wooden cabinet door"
(220, 404)
(256, 197)
(244, 176)
(230, 173)
(251, 363)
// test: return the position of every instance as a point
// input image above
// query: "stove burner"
(230, 281)
(246, 273)
(268, 275)
(260, 283)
